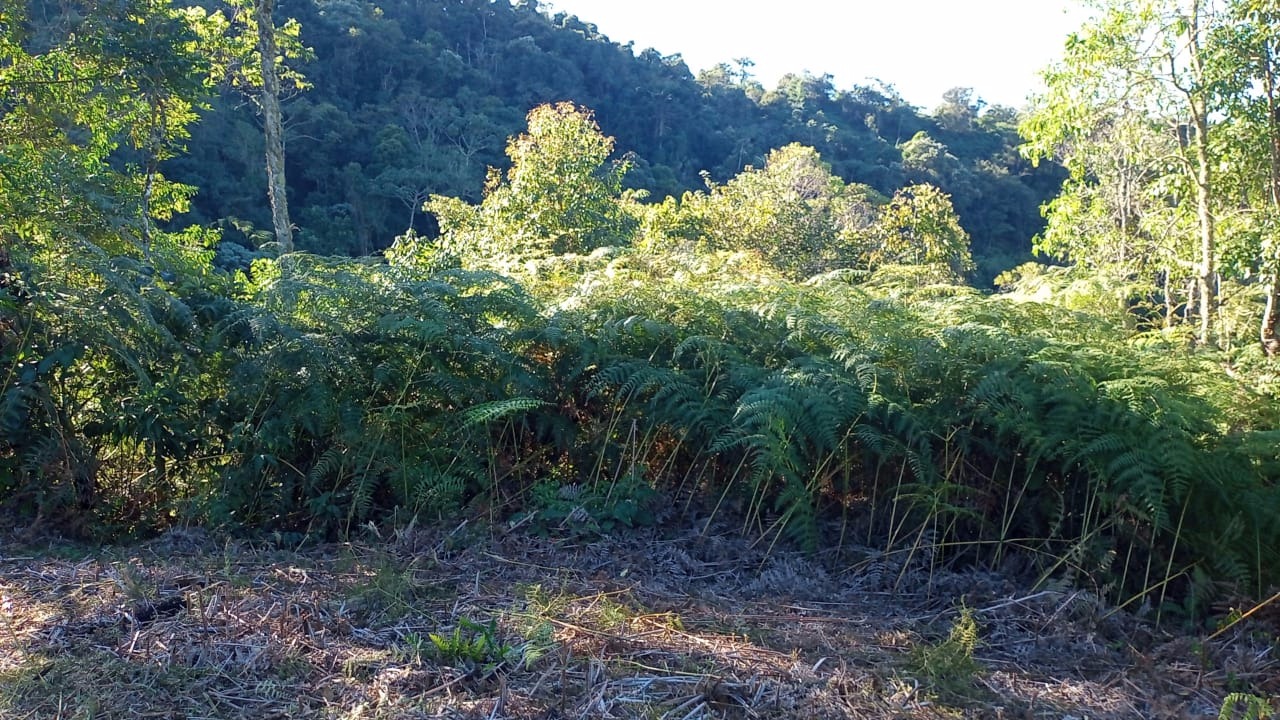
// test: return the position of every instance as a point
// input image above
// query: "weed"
(949, 666)
(542, 603)
(595, 509)
(416, 648)
(363, 669)
(477, 647)
(390, 590)
(534, 623)
(613, 614)
(1246, 706)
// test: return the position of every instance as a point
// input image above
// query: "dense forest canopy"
(568, 319)
(409, 99)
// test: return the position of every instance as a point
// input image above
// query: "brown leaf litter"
(677, 624)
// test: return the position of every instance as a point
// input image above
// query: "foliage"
(802, 220)
(784, 345)
(919, 227)
(367, 385)
(237, 62)
(557, 198)
(409, 100)
(949, 666)
(571, 508)
(472, 645)
(1165, 114)
(97, 325)
(1254, 707)
(793, 212)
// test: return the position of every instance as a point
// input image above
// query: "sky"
(921, 47)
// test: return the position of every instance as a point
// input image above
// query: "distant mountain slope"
(413, 97)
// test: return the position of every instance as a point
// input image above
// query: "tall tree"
(91, 102)
(1250, 54)
(919, 227)
(562, 195)
(273, 123)
(110, 85)
(1144, 58)
(1113, 217)
(1193, 84)
(793, 212)
(252, 60)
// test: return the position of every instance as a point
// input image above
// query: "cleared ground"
(678, 623)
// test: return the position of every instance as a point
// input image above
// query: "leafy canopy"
(562, 195)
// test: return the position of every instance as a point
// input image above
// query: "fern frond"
(486, 413)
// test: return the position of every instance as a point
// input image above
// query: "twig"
(1252, 610)
(1016, 601)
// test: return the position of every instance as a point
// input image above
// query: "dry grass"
(675, 624)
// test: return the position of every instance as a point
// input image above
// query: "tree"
(251, 59)
(919, 227)
(433, 146)
(272, 123)
(1113, 216)
(116, 86)
(1145, 59)
(562, 195)
(802, 220)
(1250, 56)
(91, 320)
(794, 212)
(925, 160)
(959, 109)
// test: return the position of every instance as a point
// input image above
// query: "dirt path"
(677, 624)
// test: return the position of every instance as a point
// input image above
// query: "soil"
(684, 622)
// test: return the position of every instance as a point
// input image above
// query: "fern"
(332, 389)
(799, 517)
(486, 413)
(1254, 707)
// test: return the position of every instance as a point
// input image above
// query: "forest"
(299, 270)
(406, 100)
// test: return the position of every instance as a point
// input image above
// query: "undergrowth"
(933, 419)
(526, 371)
(948, 667)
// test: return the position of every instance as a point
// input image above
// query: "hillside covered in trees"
(409, 99)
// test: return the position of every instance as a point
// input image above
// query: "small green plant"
(1246, 706)
(949, 666)
(612, 614)
(388, 591)
(387, 588)
(626, 503)
(534, 622)
(415, 648)
(539, 640)
(543, 603)
(475, 646)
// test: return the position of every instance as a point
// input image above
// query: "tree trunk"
(273, 124)
(1271, 315)
(1270, 318)
(1205, 274)
(1203, 179)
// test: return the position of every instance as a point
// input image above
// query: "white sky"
(921, 47)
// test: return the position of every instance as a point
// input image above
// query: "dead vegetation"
(675, 624)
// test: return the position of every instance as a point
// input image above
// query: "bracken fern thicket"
(890, 406)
